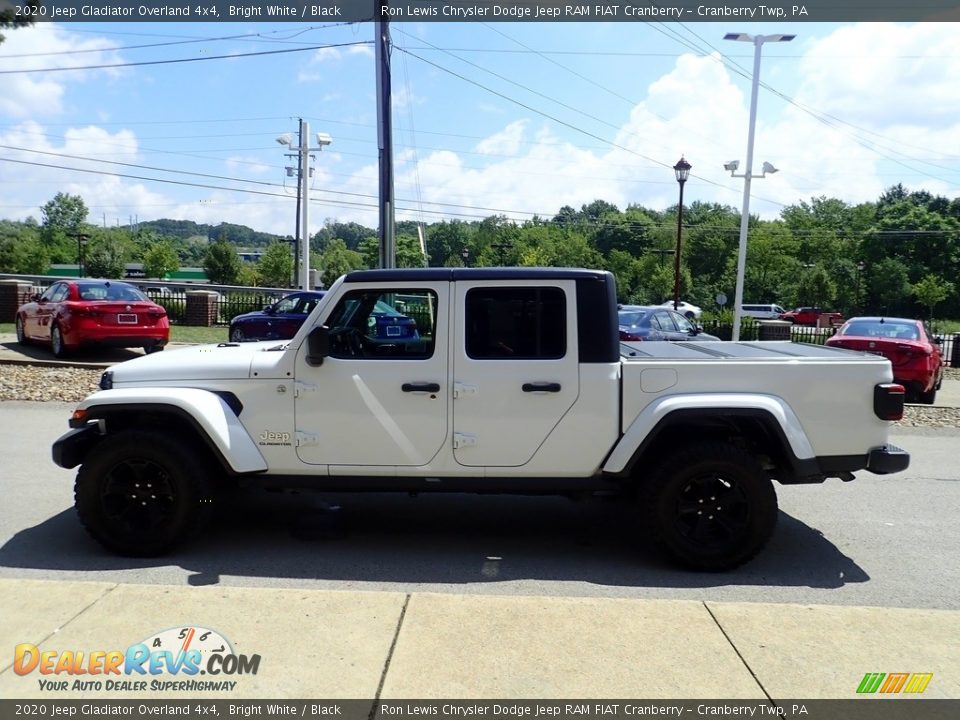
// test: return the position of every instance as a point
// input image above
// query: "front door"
(380, 397)
(515, 366)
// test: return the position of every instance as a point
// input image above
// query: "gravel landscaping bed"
(28, 382)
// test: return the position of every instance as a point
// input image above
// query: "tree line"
(898, 255)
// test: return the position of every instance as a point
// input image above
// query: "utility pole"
(388, 247)
(304, 163)
(296, 239)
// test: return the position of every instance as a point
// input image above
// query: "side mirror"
(35, 297)
(318, 345)
(268, 309)
(938, 341)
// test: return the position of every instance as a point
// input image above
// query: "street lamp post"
(465, 254)
(861, 265)
(682, 171)
(758, 41)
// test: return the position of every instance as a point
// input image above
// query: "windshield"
(895, 330)
(632, 317)
(109, 291)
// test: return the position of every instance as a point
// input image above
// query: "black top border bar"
(794, 11)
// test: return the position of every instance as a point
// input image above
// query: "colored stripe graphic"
(870, 682)
(918, 682)
(894, 682)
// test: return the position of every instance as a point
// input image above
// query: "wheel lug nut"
(710, 517)
(699, 512)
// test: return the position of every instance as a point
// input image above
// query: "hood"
(197, 362)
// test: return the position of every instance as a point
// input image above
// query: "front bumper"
(887, 459)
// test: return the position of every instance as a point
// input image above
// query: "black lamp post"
(465, 254)
(682, 170)
(856, 301)
(81, 242)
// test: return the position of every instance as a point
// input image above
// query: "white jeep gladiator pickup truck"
(506, 380)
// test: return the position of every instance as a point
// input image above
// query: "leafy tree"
(446, 241)
(276, 265)
(21, 252)
(889, 285)
(932, 290)
(248, 275)
(222, 264)
(816, 287)
(106, 258)
(338, 260)
(65, 212)
(160, 260)
(408, 252)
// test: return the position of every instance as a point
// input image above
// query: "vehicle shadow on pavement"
(433, 540)
(92, 354)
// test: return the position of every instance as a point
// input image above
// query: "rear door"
(515, 368)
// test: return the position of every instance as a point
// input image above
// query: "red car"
(916, 359)
(812, 316)
(71, 313)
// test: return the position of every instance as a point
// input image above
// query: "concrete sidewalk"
(384, 645)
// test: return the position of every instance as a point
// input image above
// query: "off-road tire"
(141, 493)
(710, 506)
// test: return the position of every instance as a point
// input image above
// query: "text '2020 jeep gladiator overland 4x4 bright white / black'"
(514, 381)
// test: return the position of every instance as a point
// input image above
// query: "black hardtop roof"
(489, 273)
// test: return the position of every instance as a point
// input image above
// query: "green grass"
(203, 335)
(178, 333)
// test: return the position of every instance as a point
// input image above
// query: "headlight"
(106, 380)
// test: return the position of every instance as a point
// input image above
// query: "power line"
(259, 53)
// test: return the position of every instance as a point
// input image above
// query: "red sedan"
(71, 313)
(916, 359)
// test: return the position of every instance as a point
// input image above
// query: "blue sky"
(516, 118)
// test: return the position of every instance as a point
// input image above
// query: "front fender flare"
(655, 415)
(207, 413)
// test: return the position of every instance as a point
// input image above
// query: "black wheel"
(711, 506)
(56, 342)
(141, 493)
(236, 335)
(21, 335)
(928, 398)
(150, 349)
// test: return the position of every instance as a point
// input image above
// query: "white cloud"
(41, 95)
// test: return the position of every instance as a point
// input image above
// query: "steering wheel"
(347, 341)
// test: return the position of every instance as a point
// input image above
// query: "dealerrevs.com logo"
(168, 660)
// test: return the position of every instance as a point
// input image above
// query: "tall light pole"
(323, 139)
(682, 170)
(758, 41)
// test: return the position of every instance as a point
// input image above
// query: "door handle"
(421, 387)
(541, 387)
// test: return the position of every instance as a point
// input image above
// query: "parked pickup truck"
(515, 382)
(813, 316)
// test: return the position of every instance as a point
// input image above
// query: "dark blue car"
(279, 321)
(639, 322)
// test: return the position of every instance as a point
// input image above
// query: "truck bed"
(766, 351)
(808, 378)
